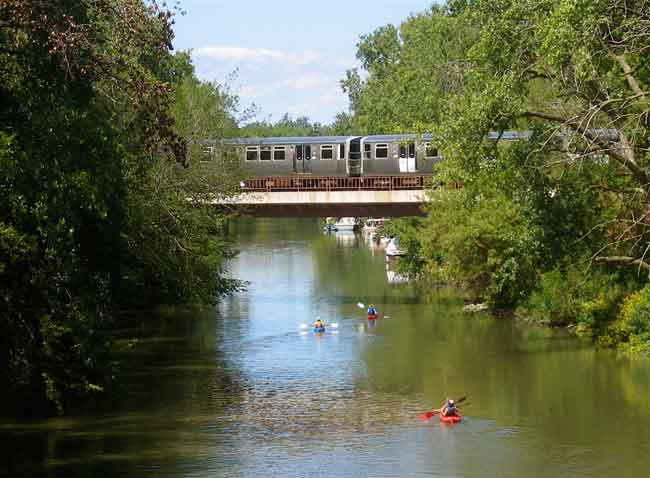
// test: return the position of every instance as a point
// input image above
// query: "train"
(345, 156)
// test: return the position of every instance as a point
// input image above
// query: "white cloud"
(309, 81)
(315, 106)
(257, 55)
(300, 82)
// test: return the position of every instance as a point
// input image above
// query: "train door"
(407, 161)
(302, 159)
(411, 160)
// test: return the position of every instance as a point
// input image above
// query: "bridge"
(324, 196)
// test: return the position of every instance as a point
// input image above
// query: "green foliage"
(409, 70)
(94, 201)
(286, 126)
(571, 295)
(408, 230)
(531, 214)
(633, 325)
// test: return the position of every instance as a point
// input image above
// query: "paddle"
(427, 415)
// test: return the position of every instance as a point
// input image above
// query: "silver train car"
(392, 154)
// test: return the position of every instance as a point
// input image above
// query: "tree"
(94, 216)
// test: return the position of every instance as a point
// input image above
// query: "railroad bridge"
(323, 196)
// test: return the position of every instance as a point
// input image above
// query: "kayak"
(449, 419)
(319, 329)
(372, 316)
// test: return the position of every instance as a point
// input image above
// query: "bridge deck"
(336, 183)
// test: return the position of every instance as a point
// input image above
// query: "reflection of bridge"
(321, 196)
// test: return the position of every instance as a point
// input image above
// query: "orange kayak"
(449, 419)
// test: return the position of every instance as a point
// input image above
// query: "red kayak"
(372, 316)
(449, 419)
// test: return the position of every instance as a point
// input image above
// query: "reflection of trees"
(173, 388)
(514, 374)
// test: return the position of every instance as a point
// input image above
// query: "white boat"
(345, 224)
(393, 249)
(371, 225)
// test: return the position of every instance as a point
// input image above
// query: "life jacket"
(450, 409)
(318, 324)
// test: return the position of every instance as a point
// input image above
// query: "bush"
(632, 328)
(568, 296)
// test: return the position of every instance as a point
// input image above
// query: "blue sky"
(289, 55)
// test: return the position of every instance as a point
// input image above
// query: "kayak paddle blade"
(427, 415)
(360, 305)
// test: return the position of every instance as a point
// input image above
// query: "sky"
(289, 55)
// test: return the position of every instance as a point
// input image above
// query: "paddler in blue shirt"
(372, 310)
(449, 408)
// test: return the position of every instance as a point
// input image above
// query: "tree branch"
(628, 75)
(624, 259)
(626, 160)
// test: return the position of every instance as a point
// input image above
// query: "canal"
(244, 391)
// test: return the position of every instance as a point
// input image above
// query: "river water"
(244, 391)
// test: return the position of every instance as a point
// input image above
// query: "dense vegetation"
(555, 227)
(98, 188)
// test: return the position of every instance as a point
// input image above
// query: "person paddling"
(372, 312)
(319, 325)
(449, 409)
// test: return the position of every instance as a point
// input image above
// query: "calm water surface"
(243, 391)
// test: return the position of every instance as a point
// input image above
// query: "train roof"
(375, 138)
(279, 140)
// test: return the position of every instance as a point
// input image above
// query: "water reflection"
(393, 276)
(243, 391)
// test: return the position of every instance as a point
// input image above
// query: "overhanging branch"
(626, 160)
(625, 260)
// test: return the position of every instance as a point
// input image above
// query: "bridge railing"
(336, 183)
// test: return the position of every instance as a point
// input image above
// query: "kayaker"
(372, 310)
(319, 324)
(449, 408)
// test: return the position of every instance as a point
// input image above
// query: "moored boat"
(372, 225)
(345, 224)
(393, 249)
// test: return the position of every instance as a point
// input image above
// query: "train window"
(265, 153)
(402, 151)
(366, 150)
(411, 150)
(279, 153)
(430, 150)
(341, 151)
(307, 151)
(381, 151)
(251, 153)
(327, 151)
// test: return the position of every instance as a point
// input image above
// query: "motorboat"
(372, 225)
(345, 224)
(393, 248)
